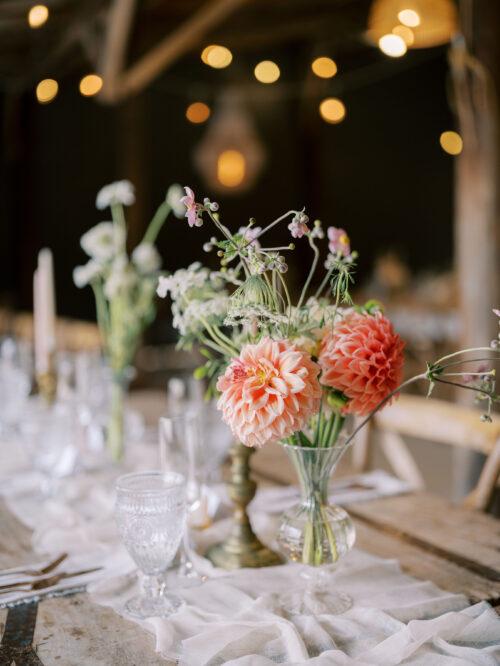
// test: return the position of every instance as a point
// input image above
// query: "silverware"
(36, 572)
(41, 583)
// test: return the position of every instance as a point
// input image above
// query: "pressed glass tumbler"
(151, 516)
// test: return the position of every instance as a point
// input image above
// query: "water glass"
(47, 434)
(180, 450)
(150, 514)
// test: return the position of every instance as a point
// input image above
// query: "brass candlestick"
(242, 548)
(47, 386)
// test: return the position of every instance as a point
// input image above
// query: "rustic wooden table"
(456, 548)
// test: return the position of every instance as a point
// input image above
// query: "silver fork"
(36, 572)
(41, 583)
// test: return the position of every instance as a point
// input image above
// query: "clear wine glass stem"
(153, 586)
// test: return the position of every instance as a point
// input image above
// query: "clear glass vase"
(315, 533)
(115, 432)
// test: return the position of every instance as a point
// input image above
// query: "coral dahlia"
(269, 392)
(362, 357)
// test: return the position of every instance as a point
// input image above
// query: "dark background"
(381, 173)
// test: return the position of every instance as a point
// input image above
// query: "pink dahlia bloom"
(269, 392)
(363, 358)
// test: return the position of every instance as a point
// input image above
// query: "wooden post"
(476, 75)
(474, 59)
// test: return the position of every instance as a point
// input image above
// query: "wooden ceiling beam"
(119, 82)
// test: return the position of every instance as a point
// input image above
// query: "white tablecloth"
(238, 618)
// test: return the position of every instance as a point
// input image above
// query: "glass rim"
(188, 413)
(338, 445)
(177, 481)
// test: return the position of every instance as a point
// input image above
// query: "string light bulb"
(324, 67)
(332, 110)
(409, 17)
(392, 45)
(37, 16)
(46, 90)
(451, 143)
(90, 85)
(198, 112)
(217, 56)
(267, 71)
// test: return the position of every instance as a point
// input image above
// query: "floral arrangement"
(123, 286)
(291, 372)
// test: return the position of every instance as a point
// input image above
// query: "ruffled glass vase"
(315, 533)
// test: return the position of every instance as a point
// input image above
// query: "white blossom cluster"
(246, 315)
(190, 320)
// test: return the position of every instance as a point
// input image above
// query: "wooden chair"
(435, 421)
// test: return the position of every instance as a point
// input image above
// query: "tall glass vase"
(115, 434)
(316, 533)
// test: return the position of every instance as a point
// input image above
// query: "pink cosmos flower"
(269, 392)
(192, 208)
(363, 358)
(338, 241)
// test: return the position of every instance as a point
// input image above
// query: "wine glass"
(180, 448)
(150, 514)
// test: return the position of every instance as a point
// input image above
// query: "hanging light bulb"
(324, 67)
(432, 22)
(230, 155)
(267, 71)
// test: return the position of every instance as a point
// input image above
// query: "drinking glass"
(180, 449)
(150, 514)
(15, 384)
(47, 434)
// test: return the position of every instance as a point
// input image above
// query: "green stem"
(463, 351)
(323, 283)
(156, 223)
(311, 272)
(102, 313)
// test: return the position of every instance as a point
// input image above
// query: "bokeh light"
(451, 143)
(267, 71)
(37, 16)
(392, 45)
(90, 85)
(231, 168)
(324, 67)
(217, 56)
(198, 112)
(405, 33)
(46, 90)
(332, 110)
(409, 17)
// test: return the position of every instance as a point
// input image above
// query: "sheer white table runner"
(237, 618)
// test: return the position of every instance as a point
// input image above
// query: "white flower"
(103, 241)
(120, 277)
(83, 275)
(121, 192)
(146, 258)
(183, 280)
(189, 320)
(174, 196)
